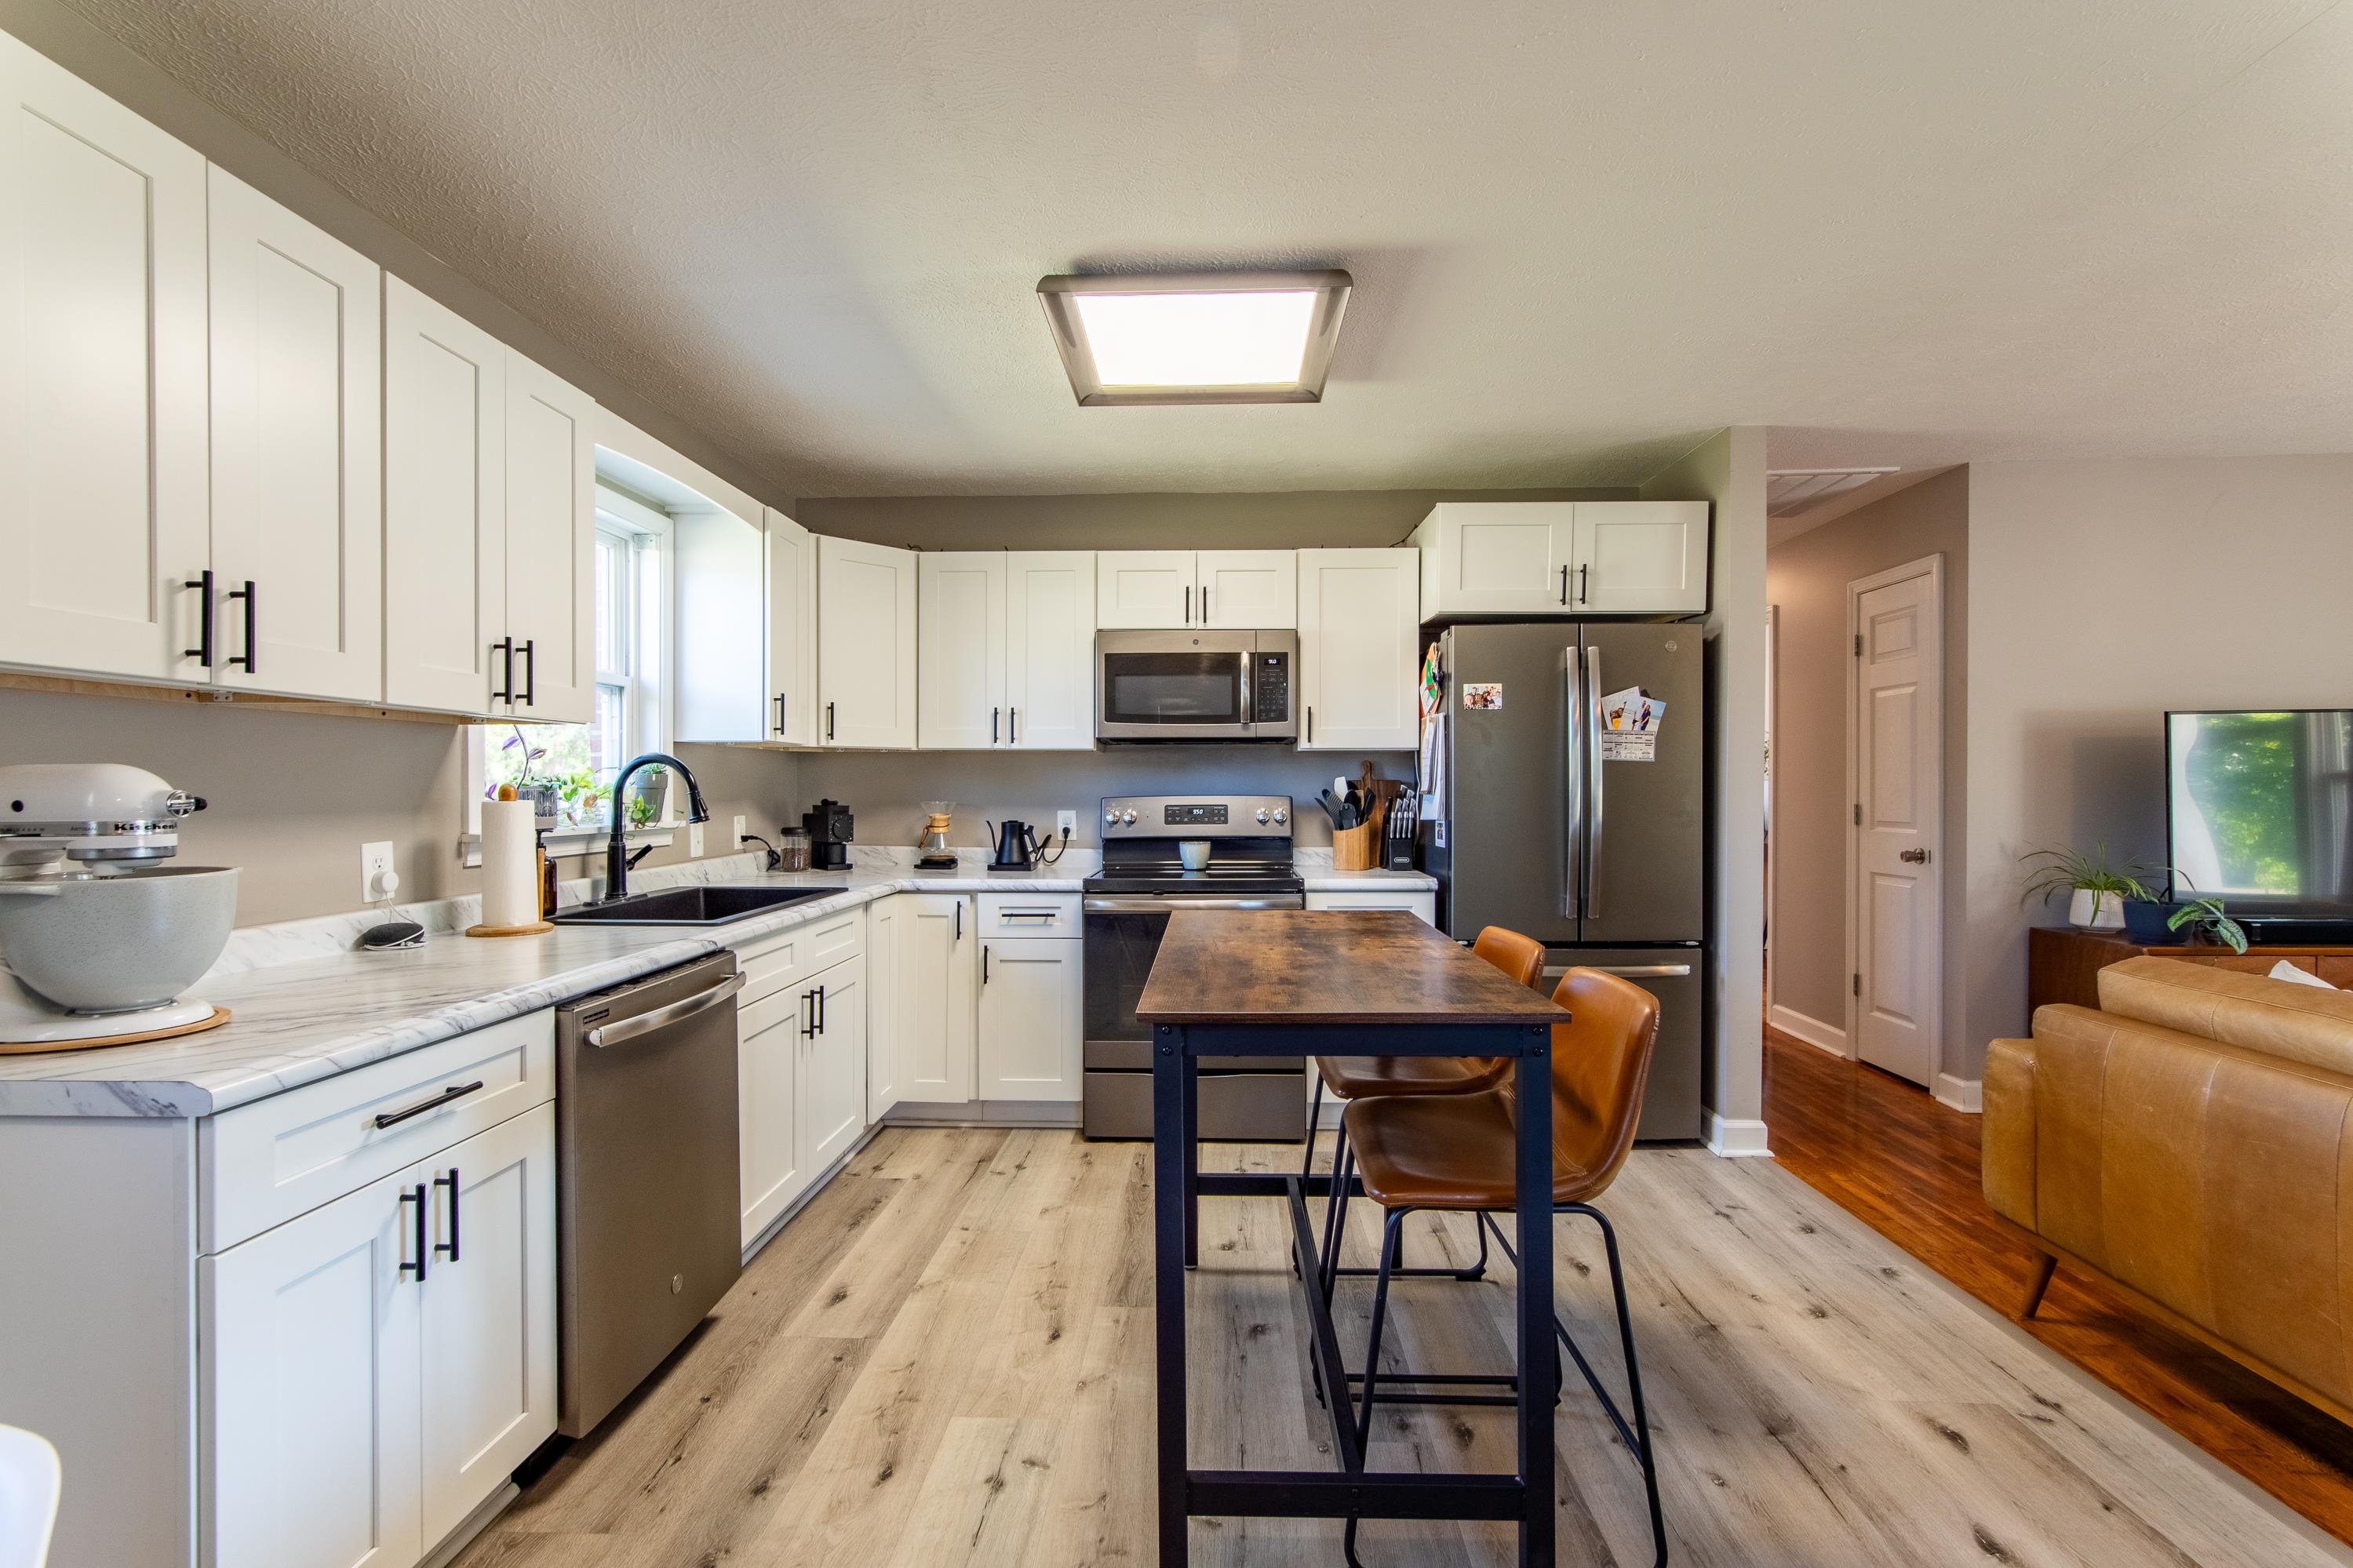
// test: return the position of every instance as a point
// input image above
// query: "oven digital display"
(1193, 816)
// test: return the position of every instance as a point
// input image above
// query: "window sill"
(572, 841)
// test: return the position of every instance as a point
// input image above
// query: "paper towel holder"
(507, 793)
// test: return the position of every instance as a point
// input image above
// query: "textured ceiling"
(1580, 234)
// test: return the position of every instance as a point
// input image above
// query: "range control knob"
(1127, 818)
(1261, 816)
(1281, 817)
(1111, 819)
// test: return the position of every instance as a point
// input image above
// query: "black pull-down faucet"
(617, 849)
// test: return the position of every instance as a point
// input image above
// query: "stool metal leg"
(1389, 1236)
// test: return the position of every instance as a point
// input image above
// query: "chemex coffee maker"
(828, 824)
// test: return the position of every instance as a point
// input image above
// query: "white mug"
(1194, 853)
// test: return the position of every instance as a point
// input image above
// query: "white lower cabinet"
(936, 958)
(833, 1066)
(767, 1053)
(1032, 1020)
(376, 1367)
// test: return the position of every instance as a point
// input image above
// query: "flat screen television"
(2259, 812)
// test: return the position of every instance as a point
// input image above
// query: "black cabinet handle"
(504, 691)
(809, 1014)
(820, 1009)
(202, 651)
(455, 1091)
(1013, 726)
(780, 712)
(959, 930)
(245, 593)
(1564, 585)
(1582, 597)
(983, 963)
(1188, 604)
(450, 1182)
(1205, 603)
(1310, 713)
(416, 1195)
(992, 724)
(829, 721)
(529, 673)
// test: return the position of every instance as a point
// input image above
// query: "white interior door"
(1144, 590)
(488, 1358)
(1896, 921)
(1032, 1018)
(960, 650)
(102, 400)
(445, 505)
(309, 1410)
(792, 631)
(1359, 656)
(938, 944)
(833, 1068)
(866, 645)
(297, 453)
(1250, 588)
(1050, 649)
(551, 466)
(1639, 557)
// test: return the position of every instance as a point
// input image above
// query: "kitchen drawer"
(1413, 899)
(770, 963)
(260, 1164)
(1013, 915)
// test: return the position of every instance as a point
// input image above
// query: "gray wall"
(1806, 579)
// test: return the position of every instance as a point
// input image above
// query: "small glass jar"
(793, 849)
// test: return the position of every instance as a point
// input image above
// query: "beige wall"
(2101, 595)
(1728, 470)
(1805, 580)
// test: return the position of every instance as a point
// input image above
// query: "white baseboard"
(1008, 1113)
(1735, 1140)
(1961, 1093)
(1830, 1038)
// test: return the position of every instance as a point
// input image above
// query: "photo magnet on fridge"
(1483, 694)
(1633, 711)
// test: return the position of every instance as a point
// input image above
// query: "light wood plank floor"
(947, 1360)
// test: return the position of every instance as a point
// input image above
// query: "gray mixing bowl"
(108, 944)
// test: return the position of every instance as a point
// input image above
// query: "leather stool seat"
(1362, 1077)
(1451, 1152)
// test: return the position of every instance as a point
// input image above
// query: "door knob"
(1913, 857)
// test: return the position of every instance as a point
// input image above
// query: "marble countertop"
(305, 1007)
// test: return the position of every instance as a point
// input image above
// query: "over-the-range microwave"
(1197, 686)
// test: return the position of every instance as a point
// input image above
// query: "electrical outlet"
(738, 842)
(694, 841)
(1066, 822)
(375, 862)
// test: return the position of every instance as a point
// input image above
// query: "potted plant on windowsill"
(2098, 890)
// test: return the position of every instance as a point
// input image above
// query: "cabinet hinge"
(1858, 644)
(1857, 813)
(1858, 983)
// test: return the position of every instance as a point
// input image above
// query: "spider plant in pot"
(2204, 919)
(2097, 890)
(2148, 915)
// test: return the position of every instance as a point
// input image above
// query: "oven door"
(1191, 685)
(1122, 937)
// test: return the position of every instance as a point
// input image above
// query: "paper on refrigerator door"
(1633, 711)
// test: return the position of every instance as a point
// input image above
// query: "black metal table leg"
(1170, 1181)
(1192, 1159)
(1532, 1177)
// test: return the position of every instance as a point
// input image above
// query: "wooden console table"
(2064, 964)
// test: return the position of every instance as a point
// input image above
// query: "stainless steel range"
(1147, 841)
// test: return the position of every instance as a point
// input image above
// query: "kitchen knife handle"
(203, 652)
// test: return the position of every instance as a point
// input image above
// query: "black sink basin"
(704, 905)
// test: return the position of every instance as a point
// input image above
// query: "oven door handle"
(1147, 904)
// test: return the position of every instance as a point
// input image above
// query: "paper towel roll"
(510, 865)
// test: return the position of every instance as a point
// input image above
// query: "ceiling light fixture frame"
(1057, 295)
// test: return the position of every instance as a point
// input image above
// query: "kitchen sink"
(708, 904)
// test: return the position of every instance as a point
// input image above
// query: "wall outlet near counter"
(738, 841)
(375, 864)
(1066, 822)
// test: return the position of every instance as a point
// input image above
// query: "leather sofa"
(2191, 1139)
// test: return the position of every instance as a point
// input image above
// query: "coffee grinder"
(829, 827)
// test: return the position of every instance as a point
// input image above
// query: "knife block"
(1356, 848)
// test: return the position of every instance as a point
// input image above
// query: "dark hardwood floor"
(1889, 1153)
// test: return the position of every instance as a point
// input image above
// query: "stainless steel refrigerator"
(1587, 840)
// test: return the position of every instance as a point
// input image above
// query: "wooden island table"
(1284, 983)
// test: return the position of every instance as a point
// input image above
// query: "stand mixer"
(97, 938)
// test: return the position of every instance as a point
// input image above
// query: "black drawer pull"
(245, 593)
(530, 697)
(455, 1091)
(203, 652)
(450, 1182)
(416, 1195)
(504, 691)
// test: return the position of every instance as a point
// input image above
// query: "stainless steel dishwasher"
(647, 1194)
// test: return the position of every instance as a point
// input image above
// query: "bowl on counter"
(111, 944)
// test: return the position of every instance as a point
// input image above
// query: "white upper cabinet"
(960, 646)
(1359, 652)
(296, 461)
(445, 492)
(1563, 558)
(102, 380)
(1641, 557)
(1050, 649)
(1247, 588)
(791, 561)
(551, 527)
(866, 645)
(1169, 590)
(1144, 589)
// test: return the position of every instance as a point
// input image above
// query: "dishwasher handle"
(629, 1029)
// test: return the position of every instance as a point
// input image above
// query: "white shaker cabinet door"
(960, 638)
(866, 645)
(1359, 656)
(297, 456)
(1032, 1018)
(1498, 558)
(445, 502)
(1646, 557)
(767, 1057)
(792, 631)
(489, 1323)
(309, 1409)
(550, 518)
(886, 1004)
(103, 397)
(939, 944)
(1144, 590)
(833, 1068)
(1246, 588)
(1050, 649)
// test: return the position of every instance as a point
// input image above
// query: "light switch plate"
(376, 860)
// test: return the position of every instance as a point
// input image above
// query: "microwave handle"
(1249, 688)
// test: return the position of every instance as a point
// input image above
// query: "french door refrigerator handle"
(1593, 811)
(1572, 827)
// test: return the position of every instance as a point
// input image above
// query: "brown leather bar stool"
(1352, 1079)
(1454, 1153)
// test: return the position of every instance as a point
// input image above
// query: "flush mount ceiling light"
(1201, 337)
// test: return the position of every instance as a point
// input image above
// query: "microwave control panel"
(1271, 702)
